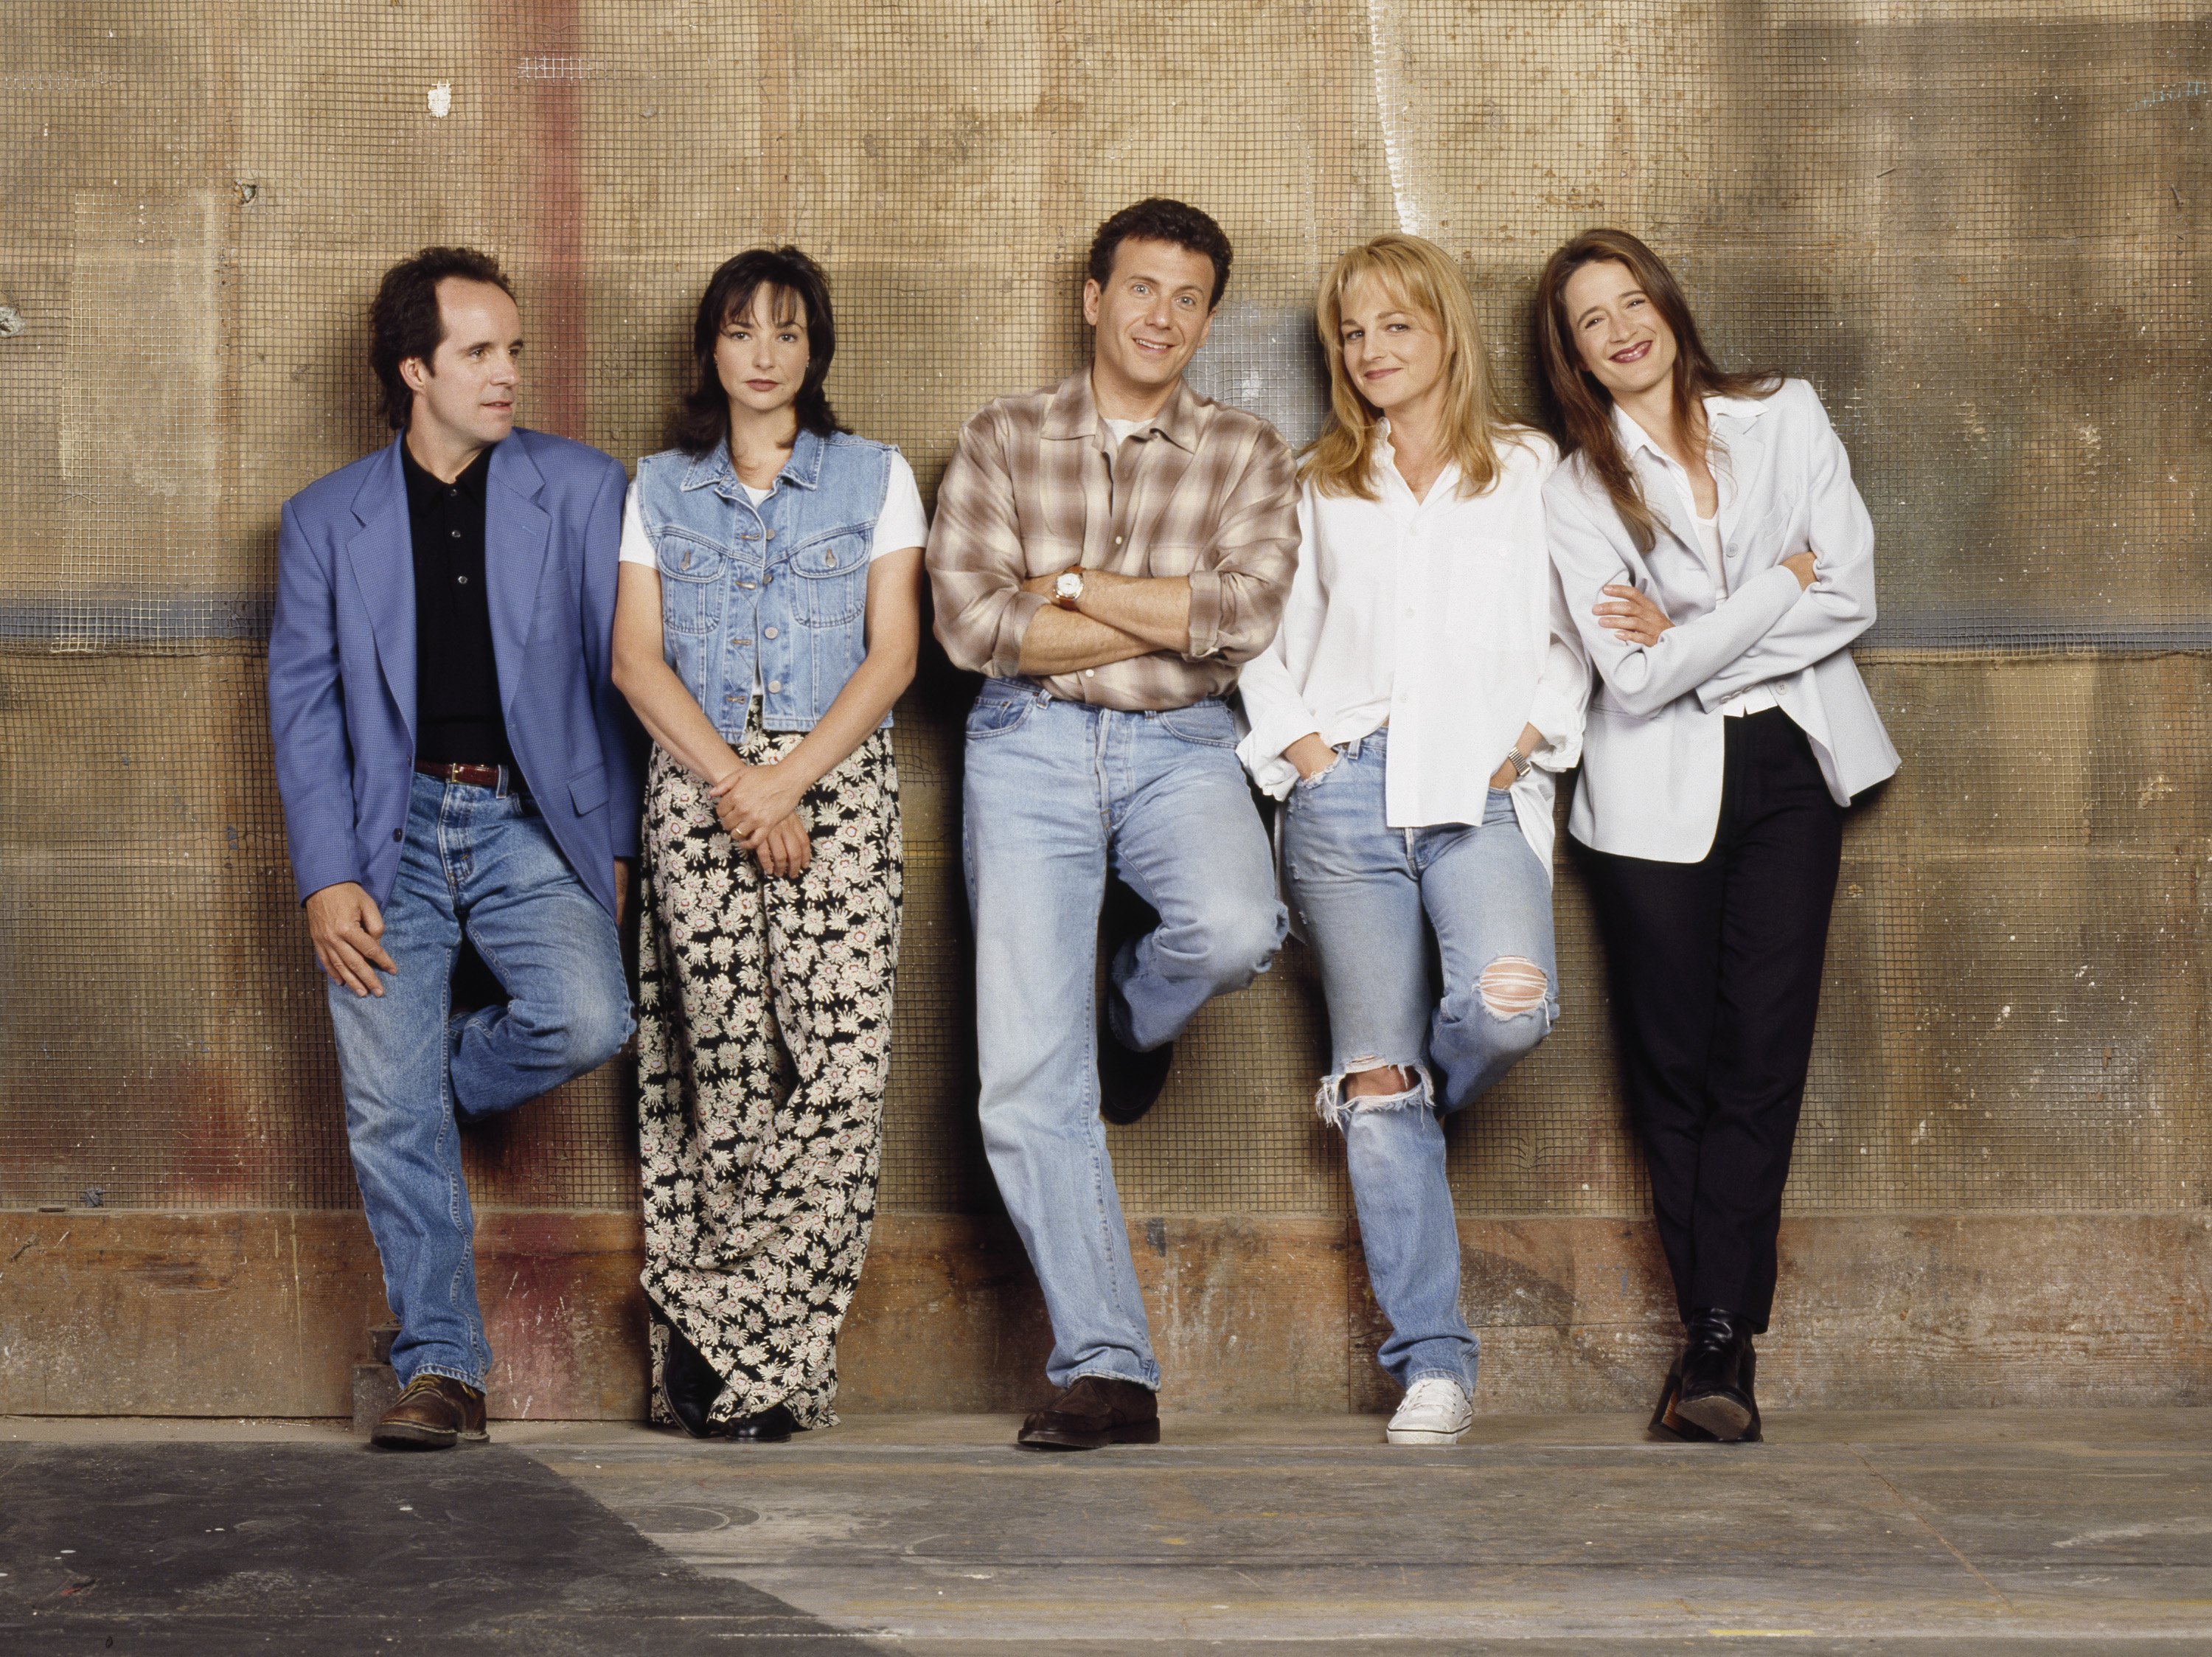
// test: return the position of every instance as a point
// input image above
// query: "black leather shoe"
(688, 1385)
(1092, 1412)
(774, 1425)
(1129, 1081)
(1717, 1369)
(1667, 1422)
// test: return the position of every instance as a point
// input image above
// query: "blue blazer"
(341, 660)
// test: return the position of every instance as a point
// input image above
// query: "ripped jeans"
(1368, 898)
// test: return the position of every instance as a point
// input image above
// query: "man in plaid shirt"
(1108, 552)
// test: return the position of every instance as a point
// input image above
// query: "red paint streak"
(552, 179)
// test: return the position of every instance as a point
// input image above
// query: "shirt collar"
(804, 468)
(1073, 412)
(1634, 436)
(424, 490)
(1384, 458)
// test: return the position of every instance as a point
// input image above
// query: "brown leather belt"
(481, 777)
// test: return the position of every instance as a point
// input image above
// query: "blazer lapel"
(517, 533)
(382, 556)
(1664, 498)
(1746, 465)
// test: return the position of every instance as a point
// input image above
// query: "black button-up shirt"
(457, 710)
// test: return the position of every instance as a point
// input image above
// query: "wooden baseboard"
(258, 1313)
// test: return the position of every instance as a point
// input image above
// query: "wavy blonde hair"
(1421, 277)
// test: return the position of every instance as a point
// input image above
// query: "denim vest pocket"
(833, 573)
(1207, 724)
(691, 581)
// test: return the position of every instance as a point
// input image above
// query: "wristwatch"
(1068, 590)
(1521, 764)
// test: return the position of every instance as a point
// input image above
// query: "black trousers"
(1716, 974)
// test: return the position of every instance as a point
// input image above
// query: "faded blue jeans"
(481, 862)
(1369, 898)
(1057, 793)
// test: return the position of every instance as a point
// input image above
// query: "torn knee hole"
(1404, 1087)
(1367, 1075)
(1511, 987)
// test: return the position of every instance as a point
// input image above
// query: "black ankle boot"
(1716, 1370)
(774, 1425)
(689, 1383)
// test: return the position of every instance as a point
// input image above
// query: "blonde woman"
(1426, 684)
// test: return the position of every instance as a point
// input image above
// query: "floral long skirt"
(764, 1020)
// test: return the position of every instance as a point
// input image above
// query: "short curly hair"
(1160, 218)
(404, 321)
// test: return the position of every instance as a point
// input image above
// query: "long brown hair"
(1580, 410)
(1421, 277)
(701, 420)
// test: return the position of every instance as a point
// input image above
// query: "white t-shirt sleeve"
(901, 523)
(636, 545)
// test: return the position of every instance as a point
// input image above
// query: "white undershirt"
(1122, 431)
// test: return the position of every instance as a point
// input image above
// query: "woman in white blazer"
(1718, 563)
(1426, 683)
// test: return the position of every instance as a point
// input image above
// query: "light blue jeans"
(1369, 898)
(481, 862)
(1056, 794)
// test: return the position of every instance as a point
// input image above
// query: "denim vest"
(783, 585)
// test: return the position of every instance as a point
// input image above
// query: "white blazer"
(1654, 744)
(1441, 616)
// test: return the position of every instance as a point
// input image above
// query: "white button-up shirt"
(1441, 616)
(1758, 697)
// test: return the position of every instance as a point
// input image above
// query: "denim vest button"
(775, 684)
(767, 633)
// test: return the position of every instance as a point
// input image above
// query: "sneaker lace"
(1433, 1392)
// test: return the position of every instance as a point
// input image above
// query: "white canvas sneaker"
(1435, 1410)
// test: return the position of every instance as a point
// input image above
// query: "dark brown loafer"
(1091, 1413)
(434, 1413)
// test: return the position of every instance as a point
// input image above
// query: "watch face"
(1069, 584)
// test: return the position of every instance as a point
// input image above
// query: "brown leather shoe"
(434, 1413)
(1092, 1412)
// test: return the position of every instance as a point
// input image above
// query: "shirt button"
(1117, 540)
(767, 633)
(1091, 672)
(464, 580)
(395, 834)
(455, 533)
(775, 684)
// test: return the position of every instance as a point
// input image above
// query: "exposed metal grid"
(1975, 229)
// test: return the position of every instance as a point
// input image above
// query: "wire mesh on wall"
(1976, 229)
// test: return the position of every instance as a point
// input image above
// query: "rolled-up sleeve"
(975, 557)
(1236, 605)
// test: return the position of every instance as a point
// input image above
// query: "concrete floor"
(1990, 1531)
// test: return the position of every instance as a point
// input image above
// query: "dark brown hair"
(1158, 218)
(702, 419)
(1579, 411)
(404, 321)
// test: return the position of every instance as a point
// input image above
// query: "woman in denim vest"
(1424, 687)
(769, 615)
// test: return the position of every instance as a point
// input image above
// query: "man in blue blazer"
(455, 765)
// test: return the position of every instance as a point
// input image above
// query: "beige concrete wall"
(1976, 228)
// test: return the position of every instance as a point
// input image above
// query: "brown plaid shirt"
(1211, 492)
